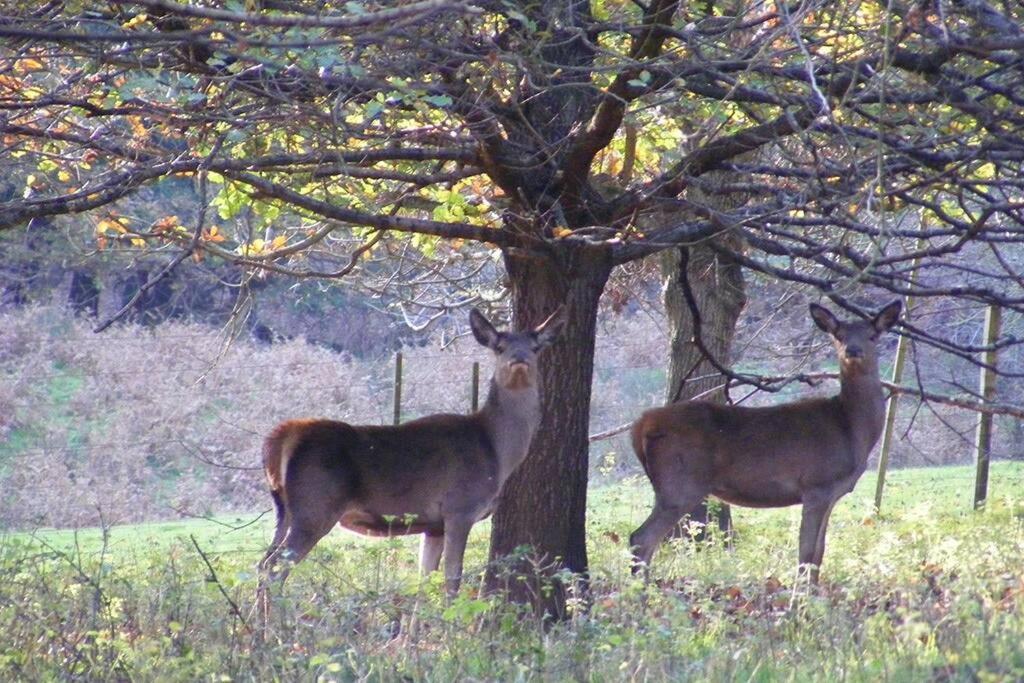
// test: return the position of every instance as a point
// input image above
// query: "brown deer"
(809, 452)
(437, 475)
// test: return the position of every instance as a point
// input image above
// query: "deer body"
(809, 452)
(436, 476)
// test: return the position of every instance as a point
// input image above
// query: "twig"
(185, 513)
(213, 579)
(197, 453)
(185, 253)
(615, 431)
(609, 433)
(815, 378)
(691, 302)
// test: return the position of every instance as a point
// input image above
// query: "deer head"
(516, 352)
(856, 340)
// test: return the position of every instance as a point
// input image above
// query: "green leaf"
(439, 100)
(372, 111)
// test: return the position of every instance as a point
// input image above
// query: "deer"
(809, 452)
(436, 476)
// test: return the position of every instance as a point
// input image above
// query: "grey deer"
(437, 475)
(810, 452)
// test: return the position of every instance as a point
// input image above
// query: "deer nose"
(854, 352)
(519, 358)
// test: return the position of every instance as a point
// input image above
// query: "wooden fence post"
(474, 391)
(398, 387)
(983, 440)
(890, 419)
(897, 377)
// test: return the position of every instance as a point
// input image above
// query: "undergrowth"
(928, 590)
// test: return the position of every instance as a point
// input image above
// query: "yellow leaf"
(63, 176)
(137, 127)
(138, 242)
(135, 21)
(29, 64)
(166, 223)
(110, 224)
(213, 235)
(279, 241)
(562, 232)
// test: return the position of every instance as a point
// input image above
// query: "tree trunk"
(543, 505)
(718, 290)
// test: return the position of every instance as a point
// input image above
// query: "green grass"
(929, 590)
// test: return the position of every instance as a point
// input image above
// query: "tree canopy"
(444, 119)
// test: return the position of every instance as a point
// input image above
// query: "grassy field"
(928, 590)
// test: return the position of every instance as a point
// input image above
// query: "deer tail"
(639, 437)
(278, 449)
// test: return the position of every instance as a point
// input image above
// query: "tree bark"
(719, 292)
(543, 505)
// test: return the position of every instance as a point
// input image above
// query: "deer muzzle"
(517, 375)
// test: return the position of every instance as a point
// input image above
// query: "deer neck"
(510, 417)
(861, 398)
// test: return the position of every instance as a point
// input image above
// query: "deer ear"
(547, 332)
(824, 319)
(483, 330)
(887, 317)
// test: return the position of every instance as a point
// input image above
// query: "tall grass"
(929, 590)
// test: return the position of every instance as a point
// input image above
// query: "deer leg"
(664, 516)
(279, 532)
(813, 520)
(299, 540)
(819, 545)
(431, 546)
(456, 533)
(316, 495)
